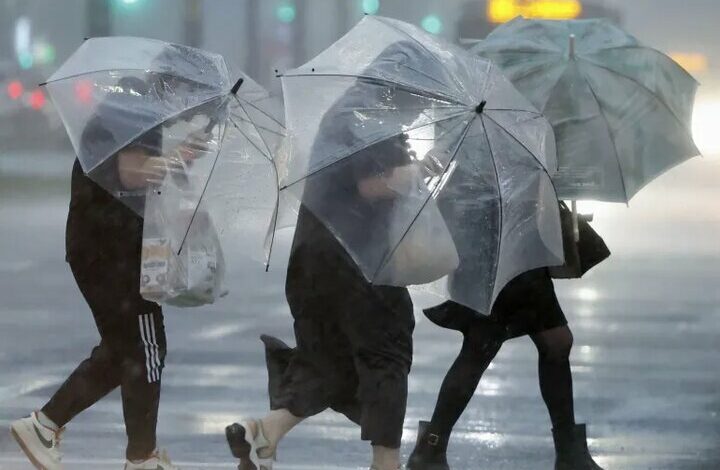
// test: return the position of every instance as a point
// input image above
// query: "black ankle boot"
(430, 450)
(571, 449)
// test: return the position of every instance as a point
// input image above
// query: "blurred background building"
(262, 36)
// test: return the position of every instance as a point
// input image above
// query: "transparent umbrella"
(621, 111)
(423, 160)
(173, 102)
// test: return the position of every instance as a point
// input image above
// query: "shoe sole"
(26, 450)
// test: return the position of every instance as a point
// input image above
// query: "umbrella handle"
(575, 223)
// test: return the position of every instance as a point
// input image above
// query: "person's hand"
(374, 188)
(194, 146)
(397, 182)
(155, 168)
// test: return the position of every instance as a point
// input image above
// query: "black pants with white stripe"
(130, 354)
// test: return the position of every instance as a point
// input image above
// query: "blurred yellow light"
(693, 62)
(501, 11)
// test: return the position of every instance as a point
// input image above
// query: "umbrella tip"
(481, 107)
(237, 86)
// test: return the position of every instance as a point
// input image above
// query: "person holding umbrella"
(621, 114)
(104, 238)
(375, 214)
(103, 246)
(527, 306)
(354, 339)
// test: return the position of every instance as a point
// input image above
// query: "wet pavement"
(645, 361)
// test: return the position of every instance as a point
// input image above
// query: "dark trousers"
(354, 345)
(130, 355)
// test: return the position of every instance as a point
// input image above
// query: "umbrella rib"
(500, 203)
(610, 133)
(646, 89)
(164, 120)
(279, 134)
(521, 144)
(642, 48)
(427, 199)
(267, 147)
(272, 118)
(364, 146)
(262, 152)
(76, 75)
(277, 194)
(414, 39)
(202, 195)
(404, 86)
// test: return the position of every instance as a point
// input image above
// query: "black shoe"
(430, 451)
(571, 450)
(453, 316)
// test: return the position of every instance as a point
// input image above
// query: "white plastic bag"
(187, 277)
(427, 251)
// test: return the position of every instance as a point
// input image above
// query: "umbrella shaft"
(576, 227)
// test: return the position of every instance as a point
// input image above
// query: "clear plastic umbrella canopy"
(134, 94)
(621, 111)
(414, 152)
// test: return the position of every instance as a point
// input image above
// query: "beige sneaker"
(157, 461)
(40, 443)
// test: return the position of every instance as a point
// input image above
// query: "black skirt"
(528, 305)
(354, 340)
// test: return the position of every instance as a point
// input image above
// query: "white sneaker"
(157, 461)
(40, 443)
(247, 447)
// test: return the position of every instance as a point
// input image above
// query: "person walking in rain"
(354, 338)
(103, 245)
(526, 306)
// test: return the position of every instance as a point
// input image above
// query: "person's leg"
(94, 378)
(481, 343)
(379, 324)
(100, 373)
(556, 385)
(39, 434)
(554, 346)
(143, 358)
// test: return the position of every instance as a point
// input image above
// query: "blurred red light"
(15, 89)
(84, 91)
(37, 99)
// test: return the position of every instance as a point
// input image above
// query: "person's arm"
(137, 169)
(387, 186)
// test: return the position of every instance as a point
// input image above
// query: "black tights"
(481, 343)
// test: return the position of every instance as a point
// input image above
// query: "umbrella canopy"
(410, 149)
(126, 92)
(621, 111)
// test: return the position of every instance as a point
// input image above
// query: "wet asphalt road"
(645, 362)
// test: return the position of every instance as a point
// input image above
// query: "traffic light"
(285, 11)
(123, 6)
(127, 3)
(432, 24)
(370, 7)
(37, 99)
(26, 60)
(15, 89)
